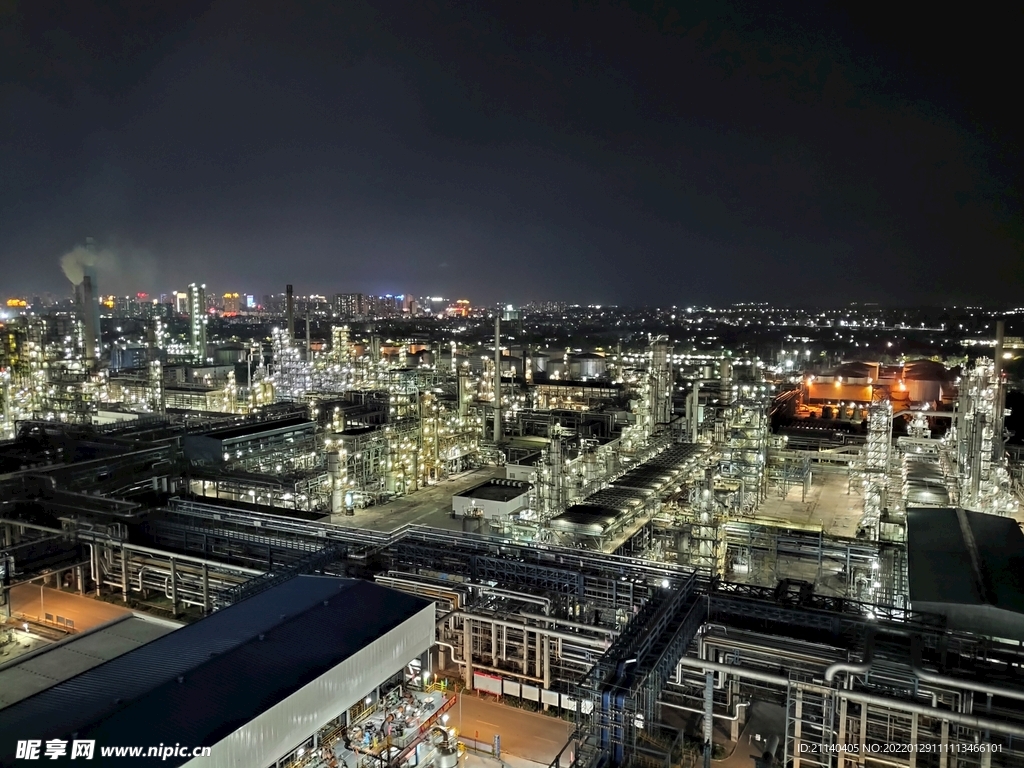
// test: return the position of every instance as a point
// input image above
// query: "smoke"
(122, 267)
(74, 263)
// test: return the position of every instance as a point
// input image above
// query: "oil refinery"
(704, 534)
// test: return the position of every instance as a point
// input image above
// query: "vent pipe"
(89, 319)
(290, 310)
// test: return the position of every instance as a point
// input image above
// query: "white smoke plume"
(119, 267)
(75, 261)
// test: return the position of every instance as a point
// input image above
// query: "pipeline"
(588, 641)
(730, 718)
(568, 623)
(969, 721)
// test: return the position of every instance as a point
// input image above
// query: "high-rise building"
(197, 319)
(351, 306)
(181, 303)
(232, 303)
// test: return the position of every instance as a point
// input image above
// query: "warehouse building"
(497, 499)
(220, 445)
(245, 682)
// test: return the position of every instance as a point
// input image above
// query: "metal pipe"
(526, 598)
(454, 597)
(568, 623)
(969, 685)
(191, 559)
(592, 642)
(854, 669)
(970, 721)
(731, 718)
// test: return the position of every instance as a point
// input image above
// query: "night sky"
(590, 152)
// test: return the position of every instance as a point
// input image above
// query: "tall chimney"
(999, 407)
(497, 376)
(89, 319)
(1000, 331)
(290, 305)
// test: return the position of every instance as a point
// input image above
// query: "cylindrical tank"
(539, 361)
(556, 369)
(447, 757)
(334, 471)
(587, 365)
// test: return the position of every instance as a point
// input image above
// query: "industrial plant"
(675, 530)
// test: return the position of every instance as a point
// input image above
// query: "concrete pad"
(828, 507)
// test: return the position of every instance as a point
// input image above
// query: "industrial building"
(243, 681)
(651, 559)
(495, 499)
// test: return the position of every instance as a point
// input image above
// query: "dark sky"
(592, 152)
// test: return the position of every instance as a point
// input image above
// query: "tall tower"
(197, 320)
(90, 307)
(660, 380)
(289, 305)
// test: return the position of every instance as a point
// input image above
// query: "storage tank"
(925, 380)
(587, 365)
(422, 357)
(539, 361)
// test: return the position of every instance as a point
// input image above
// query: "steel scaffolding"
(745, 447)
(875, 465)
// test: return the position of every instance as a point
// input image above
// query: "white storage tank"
(587, 365)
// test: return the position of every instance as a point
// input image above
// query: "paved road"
(83, 611)
(524, 734)
(427, 506)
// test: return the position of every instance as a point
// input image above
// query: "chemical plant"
(686, 543)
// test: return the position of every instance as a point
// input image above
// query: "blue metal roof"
(204, 681)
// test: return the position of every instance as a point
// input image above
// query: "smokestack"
(497, 376)
(309, 347)
(290, 309)
(1000, 330)
(999, 408)
(89, 313)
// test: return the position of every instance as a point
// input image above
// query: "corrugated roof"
(984, 568)
(199, 684)
(939, 561)
(28, 675)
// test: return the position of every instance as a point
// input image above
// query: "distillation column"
(497, 377)
(660, 383)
